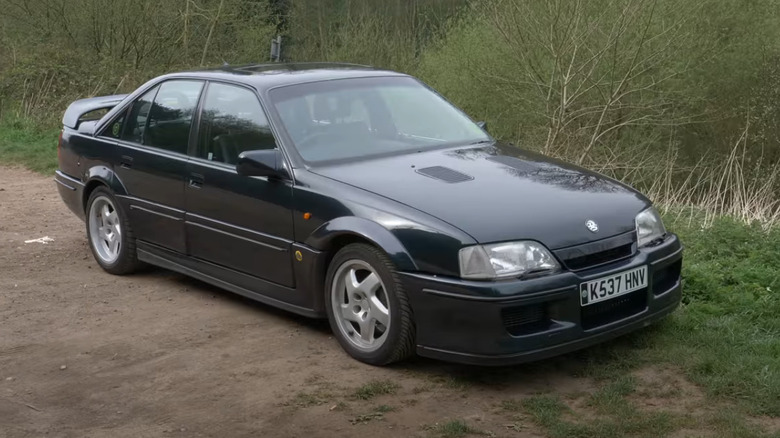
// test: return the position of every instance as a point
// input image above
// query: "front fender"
(323, 238)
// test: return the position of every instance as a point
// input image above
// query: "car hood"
(500, 193)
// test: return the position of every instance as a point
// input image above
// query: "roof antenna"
(276, 49)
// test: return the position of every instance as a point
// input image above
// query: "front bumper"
(510, 322)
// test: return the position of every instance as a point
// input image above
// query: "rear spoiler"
(77, 109)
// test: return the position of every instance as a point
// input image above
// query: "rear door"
(238, 222)
(152, 160)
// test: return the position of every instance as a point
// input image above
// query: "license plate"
(606, 288)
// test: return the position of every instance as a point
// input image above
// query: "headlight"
(649, 227)
(502, 260)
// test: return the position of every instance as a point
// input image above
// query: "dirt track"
(84, 353)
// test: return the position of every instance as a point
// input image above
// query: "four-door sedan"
(364, 196)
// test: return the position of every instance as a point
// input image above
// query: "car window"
(437, 123)
(232, 122)
(364, 117)
(170, 116)
(114, 129)
(139, 112)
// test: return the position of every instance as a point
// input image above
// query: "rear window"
(170, 116)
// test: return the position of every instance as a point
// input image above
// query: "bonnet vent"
(444, 174)
(514, 163)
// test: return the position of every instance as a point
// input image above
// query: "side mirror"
(483, 125)
(264, 162)
(87, 127)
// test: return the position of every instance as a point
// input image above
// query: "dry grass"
(741, 184)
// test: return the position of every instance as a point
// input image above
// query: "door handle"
(126, 161)
(196, 180)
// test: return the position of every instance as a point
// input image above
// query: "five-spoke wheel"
(105, 230)
(110, 236)
(367, 306)
(360, 300)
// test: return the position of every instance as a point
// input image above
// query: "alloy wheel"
(105, 230)
(360, 305)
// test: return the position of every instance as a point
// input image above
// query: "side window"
(170, 116)
(232, 122)
(114, 129)
(136, 119)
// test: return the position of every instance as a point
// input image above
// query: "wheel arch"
(98, 176)
(335, 234)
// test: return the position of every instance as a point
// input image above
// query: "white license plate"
(606, 288)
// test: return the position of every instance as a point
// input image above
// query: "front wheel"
(367, 306)
(110, 236)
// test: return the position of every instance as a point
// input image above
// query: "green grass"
(306, 399)
(609, 414)
(22, 142)
(453, 429)
(727, 334)
(610, 398)
(375, 388)
(378, 413)
(620, 420)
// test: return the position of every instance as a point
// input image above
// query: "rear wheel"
(110, 236)
(367, 306)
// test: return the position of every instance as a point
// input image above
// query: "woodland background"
(680, 99)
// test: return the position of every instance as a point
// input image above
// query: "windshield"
(357, 118)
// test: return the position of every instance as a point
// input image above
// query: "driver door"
(238, 222)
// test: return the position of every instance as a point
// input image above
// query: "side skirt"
(256, 289)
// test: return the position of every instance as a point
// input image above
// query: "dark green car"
(361, 195)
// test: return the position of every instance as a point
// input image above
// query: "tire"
(377, 342)
(110, 236)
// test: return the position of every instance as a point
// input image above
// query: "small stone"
(183, 429)
(63, 367)
(9, 379)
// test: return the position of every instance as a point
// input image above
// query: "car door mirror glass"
(262, 162)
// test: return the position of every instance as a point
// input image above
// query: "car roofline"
(292, 66)
(266, 76)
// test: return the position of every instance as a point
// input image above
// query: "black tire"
(400, 341)
(127, 260)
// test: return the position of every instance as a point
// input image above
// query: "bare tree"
(595, 67)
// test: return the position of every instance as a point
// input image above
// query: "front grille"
(523, 320)
(599, 252)
(665, 279)
(600, 258)
(613, 310)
